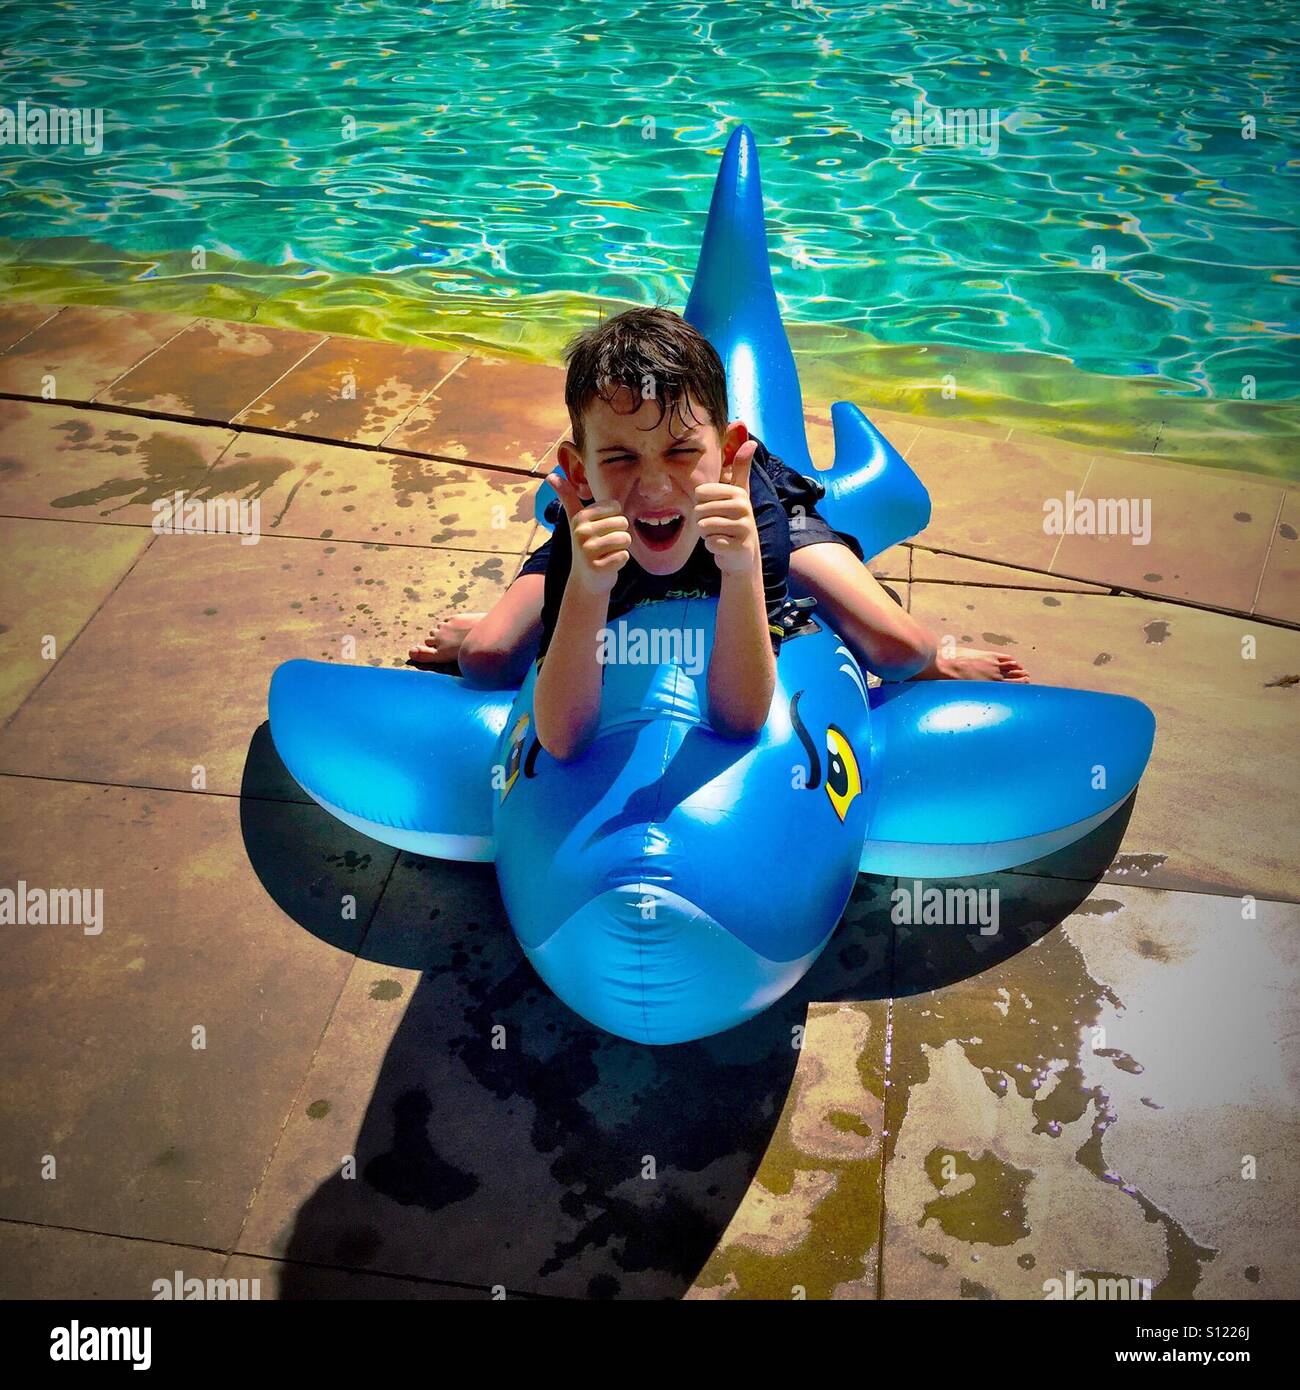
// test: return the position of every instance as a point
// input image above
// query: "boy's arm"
(566, 699)
(742, 668)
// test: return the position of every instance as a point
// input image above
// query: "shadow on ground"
(508, 1142)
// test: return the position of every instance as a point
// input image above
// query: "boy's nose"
(654, 483)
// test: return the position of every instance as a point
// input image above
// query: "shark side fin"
(969, 777)
(403, 756)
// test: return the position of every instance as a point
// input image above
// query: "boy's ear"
(574, 470)
(737, 434)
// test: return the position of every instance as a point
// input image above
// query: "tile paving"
(932, 1113)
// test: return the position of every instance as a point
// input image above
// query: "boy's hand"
(601, 537)
(725, 516)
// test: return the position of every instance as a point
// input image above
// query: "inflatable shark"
(671, 883)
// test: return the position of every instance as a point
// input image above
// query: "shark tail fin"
(871, 491)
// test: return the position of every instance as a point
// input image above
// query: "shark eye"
(514, 756)
(843, 780)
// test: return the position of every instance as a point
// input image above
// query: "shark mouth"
(660, 532)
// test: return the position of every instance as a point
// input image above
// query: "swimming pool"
(1103, 252)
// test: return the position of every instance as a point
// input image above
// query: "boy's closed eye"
(680, 453)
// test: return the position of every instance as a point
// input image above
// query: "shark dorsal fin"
(734, 305)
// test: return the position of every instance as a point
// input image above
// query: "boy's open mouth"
(660, 531)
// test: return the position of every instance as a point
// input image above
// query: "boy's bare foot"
(443, 644)
(974, 664)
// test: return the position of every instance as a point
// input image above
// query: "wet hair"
(656, 355)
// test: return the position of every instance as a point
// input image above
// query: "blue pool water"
(541, 152)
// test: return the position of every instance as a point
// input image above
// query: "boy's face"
(633, 458)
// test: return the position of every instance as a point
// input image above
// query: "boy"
(680, 434)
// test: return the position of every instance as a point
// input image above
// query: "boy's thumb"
(740, 464)
(566, 492)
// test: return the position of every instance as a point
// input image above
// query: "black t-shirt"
(699, 577)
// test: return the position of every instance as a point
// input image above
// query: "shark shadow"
(509, 1143)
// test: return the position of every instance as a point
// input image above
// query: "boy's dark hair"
(657, 355)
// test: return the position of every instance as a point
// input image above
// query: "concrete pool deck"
(1110, 1088)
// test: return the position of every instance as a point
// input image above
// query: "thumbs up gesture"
(601, 537)
(725, 517)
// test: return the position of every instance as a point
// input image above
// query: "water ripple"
(542, 149)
